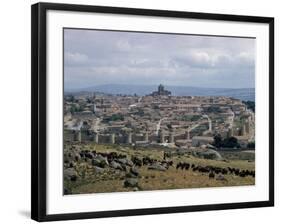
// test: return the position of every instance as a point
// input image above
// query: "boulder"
(125, 161)
(124, 168)
(77, 157)
(131, 182)
(210, 154)
(100, 161)
(129, 163)
(122, 161)
(98, 169)
(96, 162)
(157, 167)
(116, 165)
(70, 174)
(220, 177)
(134, 171)
(130, 175)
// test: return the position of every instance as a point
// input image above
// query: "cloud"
(104, 57)
(73, 59)
(246, 58)
(123, 45)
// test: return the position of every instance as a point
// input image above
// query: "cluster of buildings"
(158, 118)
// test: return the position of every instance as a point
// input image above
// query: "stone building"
(201, 140)
(161, 91)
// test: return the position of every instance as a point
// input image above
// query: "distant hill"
(243, 93)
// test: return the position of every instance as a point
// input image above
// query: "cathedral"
(161, 91)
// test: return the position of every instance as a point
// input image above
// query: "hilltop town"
(157, 118)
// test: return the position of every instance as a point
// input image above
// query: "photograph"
(146, 111)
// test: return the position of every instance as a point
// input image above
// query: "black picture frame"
(38, 108)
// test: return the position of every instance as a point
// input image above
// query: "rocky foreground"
(111, 168)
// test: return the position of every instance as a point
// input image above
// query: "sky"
(95, 57)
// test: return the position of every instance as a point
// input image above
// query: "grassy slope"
(112, 181)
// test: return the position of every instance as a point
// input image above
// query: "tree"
(114, 117)
(75, 108)
(230, 142)
(250, 105)
(217, 141)
(251, 145)
(169, 126)
(71, 98)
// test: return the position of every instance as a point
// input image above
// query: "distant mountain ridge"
(242, 93)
